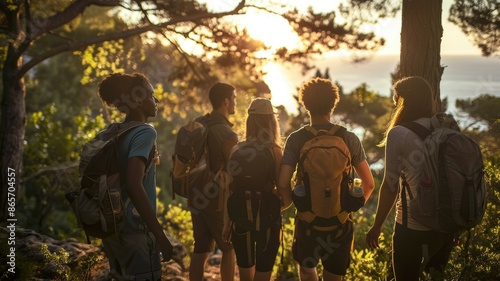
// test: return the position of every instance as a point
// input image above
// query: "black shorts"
(257, 248)
(331, 247)
(207, 229)
(414, 250)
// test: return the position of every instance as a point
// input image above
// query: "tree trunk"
(421, 33)
(12, 133)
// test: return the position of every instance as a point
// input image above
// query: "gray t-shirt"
(206, 198)
(297, 139)
(404, 156)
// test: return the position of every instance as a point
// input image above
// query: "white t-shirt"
(404, 156)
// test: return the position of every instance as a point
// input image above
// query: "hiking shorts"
(415, 251)
(207, 229)
(257, 248)
(133, 256)
(331, 247)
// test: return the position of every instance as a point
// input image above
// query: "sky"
(276, 32)
(454, 42)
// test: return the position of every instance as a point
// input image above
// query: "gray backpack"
(97, 203)
(451, 195)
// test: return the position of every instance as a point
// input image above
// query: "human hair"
(319, 96)
(119, 90)
(218, 93)
(413, 99)
(263, 128)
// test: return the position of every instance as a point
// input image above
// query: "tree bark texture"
(421, 34)
(13, 127)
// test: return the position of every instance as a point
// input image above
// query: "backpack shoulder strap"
(340, 132)
(336, 130)
(421, 131)
(405, 187)
(208, 121)
(116, 130)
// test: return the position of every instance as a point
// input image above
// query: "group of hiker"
(237, 206)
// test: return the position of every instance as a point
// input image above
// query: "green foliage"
(59, 260)
(482, 108)
(178, 224)
(83, 268)
(478, 20)
(287, 267)
(50, 159)
(366, 110)
(367, 264)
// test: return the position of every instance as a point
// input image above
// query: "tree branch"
(64, 17)
(64, 166)
(184, 56)
(118, 35)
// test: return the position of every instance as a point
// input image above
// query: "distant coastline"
(465, 76)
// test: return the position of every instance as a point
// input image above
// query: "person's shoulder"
(397, 134)
(276, 149)
(350, 134)
(300, 131)
(398, 130)
(143, 130)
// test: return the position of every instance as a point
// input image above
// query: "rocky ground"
(77, 261)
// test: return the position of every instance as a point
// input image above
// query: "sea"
(465, 76)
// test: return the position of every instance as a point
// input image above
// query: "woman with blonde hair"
(253, 221)
(416, 248)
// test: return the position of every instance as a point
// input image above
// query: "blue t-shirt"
(137, 143)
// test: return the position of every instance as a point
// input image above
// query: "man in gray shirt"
(319, 96)
(207, 204)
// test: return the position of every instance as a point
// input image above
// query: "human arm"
(228, 148)
(134, 186)
(284, 186)
(386, 201)
(226, 230)
(389, 188)
(364, 173)
(278, 154)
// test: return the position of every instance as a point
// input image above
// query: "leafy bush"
(178, 224)
(51, 155)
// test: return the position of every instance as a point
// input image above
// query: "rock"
(179, 252)
(32, 265)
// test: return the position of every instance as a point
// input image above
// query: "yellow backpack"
(324, 171)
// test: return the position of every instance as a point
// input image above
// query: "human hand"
(165, 248)
(372, 237)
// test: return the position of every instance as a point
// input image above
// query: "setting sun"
(275, 32)
(272, 30)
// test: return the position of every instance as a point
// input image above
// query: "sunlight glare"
(282, 88)
(272, 30)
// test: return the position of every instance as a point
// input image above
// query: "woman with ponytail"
(416, 248)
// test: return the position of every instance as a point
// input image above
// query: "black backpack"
(252, 204)
(451, 195)
(191, 165)
(97, 203)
